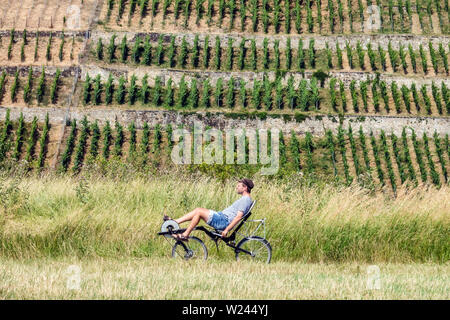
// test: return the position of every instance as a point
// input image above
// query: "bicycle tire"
(254, 245)
(198, 251)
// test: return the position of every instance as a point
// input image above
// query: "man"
(223, 220)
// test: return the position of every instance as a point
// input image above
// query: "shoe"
(166, 217)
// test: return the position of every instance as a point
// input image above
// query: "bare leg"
(189, 216)
(194, 216)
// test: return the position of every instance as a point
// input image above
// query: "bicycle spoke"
(190, 250)
(259, 250)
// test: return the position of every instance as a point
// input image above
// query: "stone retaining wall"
(314, 124)
(247, 76)
(49, 70)
(319, 41)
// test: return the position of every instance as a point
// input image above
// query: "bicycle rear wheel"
(194, 249)
(258, 249)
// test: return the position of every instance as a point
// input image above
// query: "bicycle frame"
(215, 235)
(229, 241)
(212, 235)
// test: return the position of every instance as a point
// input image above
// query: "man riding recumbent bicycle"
(225, 225)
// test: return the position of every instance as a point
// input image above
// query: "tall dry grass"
(57, 216)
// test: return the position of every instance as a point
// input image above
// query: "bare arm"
(233, 223)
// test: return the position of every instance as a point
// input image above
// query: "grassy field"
(324, 237)
(58, 216)
(165, 278)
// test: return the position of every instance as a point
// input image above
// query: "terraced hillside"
(360, 89)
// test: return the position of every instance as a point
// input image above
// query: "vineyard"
(113, 112)
(387, 161)
(40, 48)
(276, 16)
(237, 53)
(46, 14)
(246, 60)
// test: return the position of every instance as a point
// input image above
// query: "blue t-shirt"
(242, 204)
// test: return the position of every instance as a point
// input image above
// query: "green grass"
(165, 278)
(60, 216)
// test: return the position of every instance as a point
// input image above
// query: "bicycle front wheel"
(194, 249)
(256, 249)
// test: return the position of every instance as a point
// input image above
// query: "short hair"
(248, 183)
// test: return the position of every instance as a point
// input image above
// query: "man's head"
(244, 185)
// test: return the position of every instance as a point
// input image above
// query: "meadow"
(324, 237)
(82, 200)
(89, 216)
(164, 278)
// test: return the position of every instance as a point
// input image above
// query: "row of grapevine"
(402, 97)
(277, 16)
(206, 56)
(404, 57)
(212, 55)
(425, 10)
(306, 95)
(277, 94)
(270, 94)
(385, 153)
(30, 91)
(106, 140)
(4, 135)
(14, 141)
(50, 43)
(389, 157)
(70, 145)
